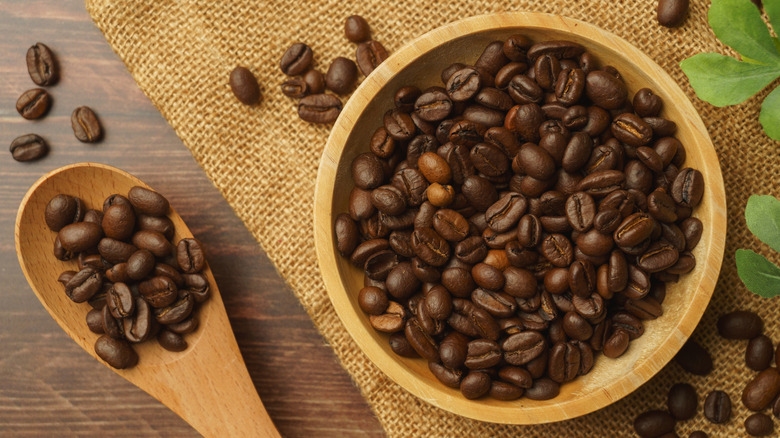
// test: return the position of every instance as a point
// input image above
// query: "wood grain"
(49, 385)
(419, 63)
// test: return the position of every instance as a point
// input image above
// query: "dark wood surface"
(48, 385)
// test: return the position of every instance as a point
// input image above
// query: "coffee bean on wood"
(42, 65)
(85, 124)
(28, 147)
(33, 104)
(523, 214)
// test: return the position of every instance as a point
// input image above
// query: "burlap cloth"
(264, 161)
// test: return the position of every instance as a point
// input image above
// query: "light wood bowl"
(420, 63)
(207, 384)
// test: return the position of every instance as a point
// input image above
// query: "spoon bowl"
(207, 384)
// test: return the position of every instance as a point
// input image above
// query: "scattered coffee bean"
(671, 13)
(341, 76)
(762, 390)
(356, 29)
(717, 407)
(42, 65)
(759, 424)
(244, 85)
(759, 353)
(652, 424)
(369, 55)
(295, 87)
(296, 60)
(740, 324)
(682, 401)
(28, 147)
(319, 108)
(33, 104)
(315, 82)
(693, 358)
(86, 126)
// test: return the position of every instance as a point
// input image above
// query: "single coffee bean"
(605, 90)
(197, 286)
(153, 241)
(118, 273)
(504, 391)
(646, 103)
(682, 401)
(113, 200)
(347, 235)
(759, 353)
(762, 390)
(464, 84)
(158, 291)
(315, 81)
(85, 124)
(405, 98)
(341, 75)
(33, 104)
(492, 58)
(116, 352)
(400, 346)
(140, 264)
(295, 88)
(175, 312)
(190, 256)
(62, 210)
(692, 229)
(140, 326)
(115, 251)
(759, 425)
(296, 60)
(28, 147)
(632, 130)
(475, 385)
(543, 389)
(356, 29)
(84, 284)
(120, 301)
(95, 321)
(740, 324)
(653, 424)
(79, 237)
(688, 188)
(693, 358)
(171, 341)
(148, 201)
(717, 407)
(369, 55)
(482, 354)
(671, 13)
(319, 108)
(118, 222)
(521, 348)
(244, 86)
(42, 65)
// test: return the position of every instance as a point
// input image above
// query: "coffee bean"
(296, 60)
(175, 312)
(85, 124)
(95, 321)
(759, 353)
(762, 390)
(84, 284)
(28, 147)
(80, 236)
(120, 301)
(115, 251)
(118, 222)
(319, 108)
(492, 58)
(315, 82)
(693, 358)
(759, 425)
(42, 65)
(171, 341)
(33, 104)
(682, 401)
(153, 241)
(475, 385)
(244, 86)
(653, 424)
(605, 90)
(116, 352)
(346, 234)
(482, 354)
(740, 324)
(341, 75)
(646, 103)
(717, 407)
(543, 389)
(62, 210)
(671, 13)
(369, 55)
(296, 88)
(464, 84)
(688, 188)
(356, 29)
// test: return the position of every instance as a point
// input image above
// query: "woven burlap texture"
(264, 161)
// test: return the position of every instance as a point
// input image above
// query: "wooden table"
(48, 385)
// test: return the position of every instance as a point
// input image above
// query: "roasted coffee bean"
(356, 29)
(482, 354)
(692, 230)
(175, 312)
(605, 90)
(148, 201)
(79, 237)
(759, 353)
(369, 55)
(391, 321)
(634, 230)
(570, 86)
(171, 341)
(389, 200)
(161, 224)
(85, 124)
(475, 385)
(524, 90)
(671, 13)
(451, 225)
(717, 407)
(479, 192)
(197, 286)
(430, 247)
(521, 348)
(120, 301)
(118, 222)
(439, 195)
(661, 206)
(28, 147)
(616, 344)
(116, 352)
(547, 68)
(315, 81)
(347, 234)
(153, 241)
(42, 65)
(762, 390)
(113, 200)
(158, 291)
(602, 182)
(401, 281)
(433, 105)
(367, 174)
(646, 103)
(62, 210)
(341, 75)
(296, 60)
(693, 358)
(165, 270)
(506, 212)
(740, 324)
(535, 161)
(84, 284)
(140, 264)
(632, 130)
(564, 362)
(140, 326)
(65, 277)
(658, 257)
(488, 159)
(405, 98)
(543, 389)
(188, 325)
(295, 88)
(759, 425)
(464, 84)
(420, 340)
(244, 86)
(400, 346)
(688, 188)
(682, 401)
(434, 168)
(652, 424)
(504, 391)
(33, 104)
(557, 249)
(438, 303)
(95, 321)
(115, 251)
(516, 47)
(582, 278)
(382, 144)
(448, 376)
(492, 58)
(525, 120)
(319, 108)
(580, 211)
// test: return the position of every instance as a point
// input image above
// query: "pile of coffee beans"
(139, 285)
(760, 394)
(309, 84)
(35, 103)
(521, 219)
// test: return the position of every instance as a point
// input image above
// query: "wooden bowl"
(420, 63)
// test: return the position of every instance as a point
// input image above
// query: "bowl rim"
(327, 253)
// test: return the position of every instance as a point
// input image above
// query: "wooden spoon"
(208, 384)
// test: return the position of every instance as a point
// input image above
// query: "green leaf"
(770, 115)
(762, 215)
(772, 8)
(777, 41)
(722, 80)
(760, 276)
(738, 24)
